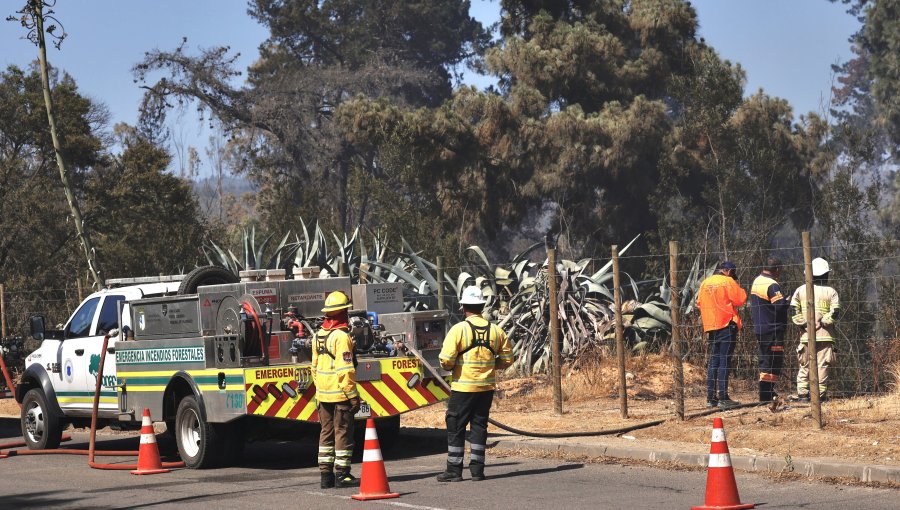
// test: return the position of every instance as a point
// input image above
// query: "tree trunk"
(89, 252)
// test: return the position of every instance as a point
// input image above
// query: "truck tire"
(388, 432)
(41, 426)
(199, 443)
(206, 275)
(234, 437)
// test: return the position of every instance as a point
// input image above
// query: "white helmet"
(820, 266)
(471, 295)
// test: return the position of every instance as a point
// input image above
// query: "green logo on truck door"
(109, 381)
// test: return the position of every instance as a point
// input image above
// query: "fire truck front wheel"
(198, 441)
(41, 426)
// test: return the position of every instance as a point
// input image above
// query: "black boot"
(345, 479)
(477, 471)
(327, 480)
(452, 474)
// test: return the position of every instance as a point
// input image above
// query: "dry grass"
(862, 429)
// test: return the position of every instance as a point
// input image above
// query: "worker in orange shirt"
(718, 299)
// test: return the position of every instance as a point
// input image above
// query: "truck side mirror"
(37, 327)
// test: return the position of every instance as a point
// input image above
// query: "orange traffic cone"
(721, 489)
(373, 481)
(148, 462)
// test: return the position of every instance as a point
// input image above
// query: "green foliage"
(146, 221)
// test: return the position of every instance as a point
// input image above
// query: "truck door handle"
(79, 352)
(111, 350)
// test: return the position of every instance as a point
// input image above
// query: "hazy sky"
(785, 46)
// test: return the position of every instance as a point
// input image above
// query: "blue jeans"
(721, 345)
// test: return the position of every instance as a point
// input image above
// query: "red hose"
(18, 444)
(90, 452)
(249, 309)
(9, 384)
(93, 435)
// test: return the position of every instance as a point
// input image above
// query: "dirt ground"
(863, 429)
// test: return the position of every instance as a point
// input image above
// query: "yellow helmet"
(335, 301)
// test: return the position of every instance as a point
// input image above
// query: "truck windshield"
(80, 325)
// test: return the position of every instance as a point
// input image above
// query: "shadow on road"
(46, 499)
(528, 472)
(9, 427)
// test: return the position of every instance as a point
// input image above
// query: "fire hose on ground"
(608, 432)
(91, 452)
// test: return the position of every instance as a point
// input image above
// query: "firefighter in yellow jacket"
(474, 350)
(334, 373)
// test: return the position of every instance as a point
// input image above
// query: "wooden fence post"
(674, 305)
(811, 348)
(555, 362)
(620, 334)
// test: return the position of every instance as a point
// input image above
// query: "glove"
(355, 403)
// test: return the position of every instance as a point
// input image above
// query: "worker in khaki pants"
(828, 308)
(334, 373)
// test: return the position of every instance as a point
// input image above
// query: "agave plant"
(517, 291)
(254, 257)
(583, 306)
(652, 320)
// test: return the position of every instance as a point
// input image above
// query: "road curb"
(809, 467)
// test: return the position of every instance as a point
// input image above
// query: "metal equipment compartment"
(165, 317)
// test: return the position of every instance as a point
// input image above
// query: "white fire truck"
(216, 358)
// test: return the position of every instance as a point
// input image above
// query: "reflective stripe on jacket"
(826, 303)
(335, 377)
(718, 300)
(768, 307)
(475, 370)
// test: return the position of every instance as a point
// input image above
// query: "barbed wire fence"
(867, 342)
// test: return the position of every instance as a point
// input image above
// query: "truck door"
(70, 382)
(81, 355)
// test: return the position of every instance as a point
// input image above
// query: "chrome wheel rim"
(34, 422)
(189, 433)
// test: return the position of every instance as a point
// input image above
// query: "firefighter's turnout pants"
(336, 439)
(825, 355)
(465, 408)
(771, 361)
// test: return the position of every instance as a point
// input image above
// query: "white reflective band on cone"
(148, 439)
(718, 460)
(371, 433)
(372, 456)
(718, 435)
(146, 421)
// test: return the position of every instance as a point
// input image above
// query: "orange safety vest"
(718, 300)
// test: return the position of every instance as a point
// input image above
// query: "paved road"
(283, 475)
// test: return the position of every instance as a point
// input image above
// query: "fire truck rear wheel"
(388, 430)
(41, 425)
(234, 437)
(198, 441)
